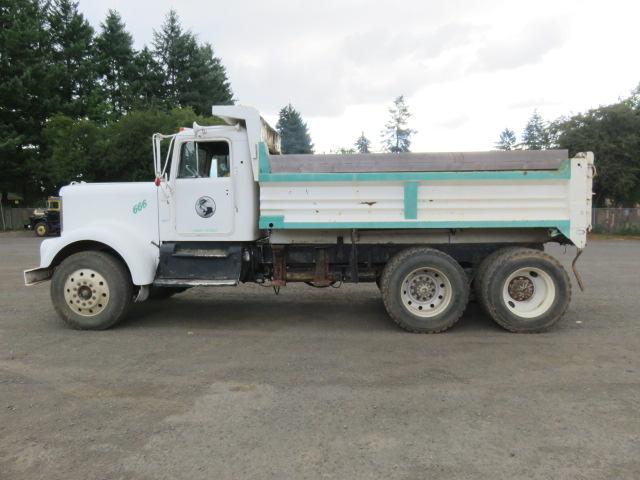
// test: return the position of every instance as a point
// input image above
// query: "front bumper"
(48, 250)
(37, 275)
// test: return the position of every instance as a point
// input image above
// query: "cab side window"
(204, 160)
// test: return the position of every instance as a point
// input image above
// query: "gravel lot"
(240, 383)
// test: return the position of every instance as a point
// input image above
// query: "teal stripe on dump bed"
(563, 173)
(411, 200)
(278, 222)
(264, 166)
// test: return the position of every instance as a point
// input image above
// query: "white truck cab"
(226, 207)
(204, 195)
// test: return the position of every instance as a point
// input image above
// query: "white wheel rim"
(86, 292)
(426, 292)
(529, 292)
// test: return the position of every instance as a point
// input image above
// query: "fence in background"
(14, 218)
(605, 220)
(616, 220)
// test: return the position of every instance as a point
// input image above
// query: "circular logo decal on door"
(205, 207)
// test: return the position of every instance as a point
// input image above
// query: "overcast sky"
(467, 68)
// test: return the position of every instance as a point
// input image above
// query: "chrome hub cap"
(529, 292)
(426, 292)
(86, 292)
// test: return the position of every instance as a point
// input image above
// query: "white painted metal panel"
(497, 200)
(437, 201)
(186, 215)
(334, 202)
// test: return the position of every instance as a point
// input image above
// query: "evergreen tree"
(206, 84)
(115, 64)
(171, 49)
(293, 132)
(363, 144)
(193, 76)
(26, 92)
(396, 136)
(507, 140)
(146, 81)
(536, 134)
(71, 39)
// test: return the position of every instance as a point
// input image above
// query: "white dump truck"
(226, 208)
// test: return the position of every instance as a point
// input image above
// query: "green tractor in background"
(46, 221)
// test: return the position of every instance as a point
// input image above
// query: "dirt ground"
(240, 383)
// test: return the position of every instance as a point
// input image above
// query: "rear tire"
(91, 290)
(525, 290)
(424, 290)
(482, 270)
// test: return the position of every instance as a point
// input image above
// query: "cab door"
(203, 205)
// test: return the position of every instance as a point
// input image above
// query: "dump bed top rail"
(419, 162)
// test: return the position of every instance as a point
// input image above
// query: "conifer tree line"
(537, 135)
(66, 86)
(396, 135)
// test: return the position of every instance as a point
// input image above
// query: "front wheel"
(525, 290)
(41, 229)
(91, 290)
(424, 290)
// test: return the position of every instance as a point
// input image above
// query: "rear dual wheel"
(424, 290)
(523, 290)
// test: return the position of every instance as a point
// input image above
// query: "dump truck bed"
(518, 190)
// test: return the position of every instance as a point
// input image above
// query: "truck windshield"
(211, 161)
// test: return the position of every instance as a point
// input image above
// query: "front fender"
(140, 255)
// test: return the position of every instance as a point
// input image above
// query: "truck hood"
(127, 203)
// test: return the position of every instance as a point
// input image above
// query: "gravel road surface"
(319, 384)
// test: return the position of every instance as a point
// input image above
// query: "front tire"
(41, 229)
(91, 290)
(525, 290)
(424, 290)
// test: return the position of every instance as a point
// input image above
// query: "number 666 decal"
(138, 207)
